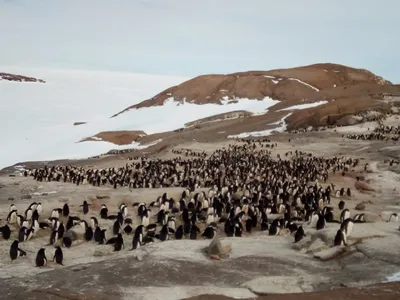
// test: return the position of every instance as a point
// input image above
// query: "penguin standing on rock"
(41, 259)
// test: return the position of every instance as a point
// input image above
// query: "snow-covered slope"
(36, 119)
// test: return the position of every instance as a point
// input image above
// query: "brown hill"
(19, 78)
(308, 82)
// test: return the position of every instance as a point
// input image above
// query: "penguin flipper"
(22, 252)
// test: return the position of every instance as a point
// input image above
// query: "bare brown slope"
(283, 84)
(19, 78)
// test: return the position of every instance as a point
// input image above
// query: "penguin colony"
(381, 133)
(246, 187)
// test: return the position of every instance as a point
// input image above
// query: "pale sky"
(189, 38)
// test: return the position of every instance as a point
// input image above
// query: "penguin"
(28, 214)
(5, 232)
(359, 218)
(55, 213)
(136, 242)
(344, 215)
(179, 233)
(145, 218)
(164, 233)
(58, 256)
(299, 235)
(393, 218)
(124, 210)
(53, 237)
(128, 229)
(39, 208)
(65, 210)
(15, 251)
(85, 207)
(171, 223)
(12, 208)
(89, 234)
(116, 227)
(209, 232)
(314, 219)
(103, 211)
(347, 226)
(249, 224)
(340, 238)
(41, 259)
(119, 243)
(12, 217)
(94, 222)
(348, 192)
(67, 242)
(22, 234)
(341, 204)
(321, 223)
(194, 230)
(274, 229)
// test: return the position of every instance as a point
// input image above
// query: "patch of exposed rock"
(125, 137)
(19, 78)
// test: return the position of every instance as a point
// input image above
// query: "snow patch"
(302, 82)
(267, 132)
(268, 76)
(304, 106)
(393, 278)
(275, 81)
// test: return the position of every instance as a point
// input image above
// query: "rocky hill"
(345, 92)
(19, 78)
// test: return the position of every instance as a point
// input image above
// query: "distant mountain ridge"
(19, 78)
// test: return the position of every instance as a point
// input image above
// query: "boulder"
(360, 206)
(363, 186)
(218, 251)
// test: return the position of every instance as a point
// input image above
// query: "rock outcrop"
(19, 78)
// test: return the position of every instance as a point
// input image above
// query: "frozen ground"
(177, 269)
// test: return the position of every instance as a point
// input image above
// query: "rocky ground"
(259, 264)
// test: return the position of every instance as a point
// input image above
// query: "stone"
(27, 196)
(218, 251)
(360, 185)
(360, 206)
(11, 198)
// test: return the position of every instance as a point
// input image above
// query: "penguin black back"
(119, 243)
(41, 259)
(5, 232)
(58, 256)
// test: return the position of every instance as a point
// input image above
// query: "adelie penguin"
(340, 238)
(341, 205)
(41, 259)
(58, 256)
(299, 235)
(321, 222)
(344, 215)
(65, 210)
(209, 232)
(89, 234)
(15, 251)
(5, 232)
(85, 207)
(103, 211)
(179, 233)
(119, 243)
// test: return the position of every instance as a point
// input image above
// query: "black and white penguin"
(15, 251)
(85, 207)
(359, 218)
(179, 233)
(65, 210)
(5, 232)
(58, 256)
(347, 226)
(299, 235)
(348, 192)
(89, 234)
(209, 232)
(164, 233)
(136, 242)
(41, 259)
(274, 229)
(393, 218)
(61, 231)
(39, 208)
(314, 219)
(94, 222)
(53, 237)
(249, 224)
(119, 243)
(194, 230)
(12, 217)
(67, 242)
(321, 223)
(340, 238)
(344, 215)
(145, 216)
(28, 214)
(124, 210)
(103, 211)
(341, 204)
(171, 223)
(55, 213)
(116, 227)
(12, 208)
(128, 229)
